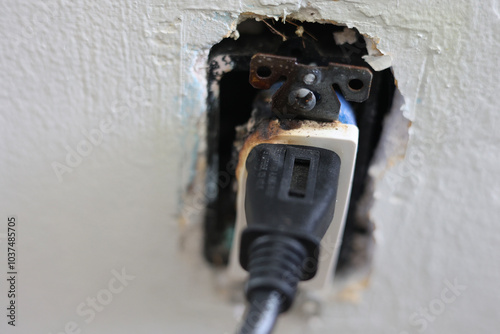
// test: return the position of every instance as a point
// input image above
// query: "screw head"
(309, 78)
(302, 98)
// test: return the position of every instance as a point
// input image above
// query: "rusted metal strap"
(308, 91)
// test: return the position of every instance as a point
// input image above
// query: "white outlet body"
(337, 137)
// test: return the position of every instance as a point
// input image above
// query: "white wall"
(71, 67)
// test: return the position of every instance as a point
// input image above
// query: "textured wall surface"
(101, 105)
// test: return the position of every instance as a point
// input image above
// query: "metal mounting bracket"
(308, 91)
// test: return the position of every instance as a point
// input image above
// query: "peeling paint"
(346, 36)
(379, 63)
(223, 65)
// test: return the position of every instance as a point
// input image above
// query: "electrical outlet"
(231, 100)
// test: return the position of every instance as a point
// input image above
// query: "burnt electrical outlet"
(231, 100)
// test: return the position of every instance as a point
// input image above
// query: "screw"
(302, 98)
(309, 78)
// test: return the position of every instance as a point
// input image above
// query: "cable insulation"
(262, 312)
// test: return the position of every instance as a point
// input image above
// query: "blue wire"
(346, 115)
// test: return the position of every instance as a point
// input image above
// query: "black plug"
(289, 203)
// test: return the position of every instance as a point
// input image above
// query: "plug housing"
(290, 190)
(301, 135)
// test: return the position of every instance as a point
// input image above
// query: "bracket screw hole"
(264, 72)
(356, 84)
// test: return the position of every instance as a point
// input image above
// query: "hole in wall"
(231, 100)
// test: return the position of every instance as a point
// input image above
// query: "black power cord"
(262, 313)
(289, 203)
